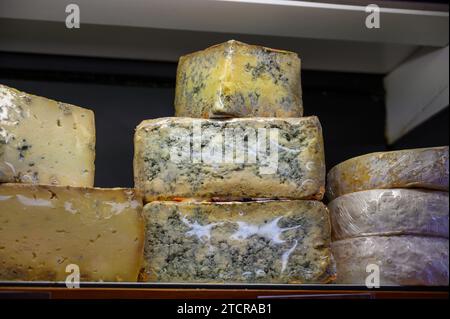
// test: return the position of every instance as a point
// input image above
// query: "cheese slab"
(235, 79)
(401, 260)
(390, 212)
(45, 142)
(416, 168)
(44, 229)
(251, 242)
(229, 159)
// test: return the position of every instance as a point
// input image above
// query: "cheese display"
(44, 229)
(418, 168)
(260, 242)
(235, 79)
(45, 142)
(399, 260)
(390, 212)
(231, 159)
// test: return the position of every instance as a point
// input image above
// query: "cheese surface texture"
(401, 260)
(417, 168)
(235, 79)
(45, 142)
(390, 212)
(252, 242)
(44, 229)
(230, 159)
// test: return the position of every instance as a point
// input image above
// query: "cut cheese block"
(390, 212)
(252, 242)
(44, 229)
(416, 168)
(45, 142)
(230, 159)
(399, 260)
(235, 79)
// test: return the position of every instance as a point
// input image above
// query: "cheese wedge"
(417, 168)
(390, 212)
(235, 79)
(230, 159)
(249, 242)
(45, 142)
(45, 229)
(398, 260)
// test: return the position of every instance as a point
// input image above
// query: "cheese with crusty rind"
(45, 142)
(235, 79)
(416, 168)
(249, 242)
(198, 158)
(399, 260)
(44, 229)
(390, 212)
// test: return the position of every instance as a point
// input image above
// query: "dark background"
(122, 93)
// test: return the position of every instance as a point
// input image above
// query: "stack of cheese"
(233, 181)
(390, 218)
(50, 216)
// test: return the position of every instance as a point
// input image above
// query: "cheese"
(251, 242)
(44, 229)
(390, 212)
(230, 159)
(418, 168)
(44, 141)
(401, 260)
(235, 79)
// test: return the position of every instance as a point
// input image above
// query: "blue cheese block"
(45, 142)
(235, 79)
(230, 159)
(247, 242)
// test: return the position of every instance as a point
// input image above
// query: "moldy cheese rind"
(235, 79)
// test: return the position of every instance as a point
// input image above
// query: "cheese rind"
(417, 168)
(174, 158)
(252, 242)
(43, 229)
(401, 260)
(235, 79)
(45, 142)
(390, 212)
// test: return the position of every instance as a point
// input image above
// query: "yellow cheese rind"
(45, 142)
(416, 168)
(251, 242)
(43, 229)
(235, 79)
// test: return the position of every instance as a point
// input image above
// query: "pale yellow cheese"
(44, 229)
(45, 142)
(235, 79)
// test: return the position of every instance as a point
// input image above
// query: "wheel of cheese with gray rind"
(416, 168)
(400, 260)
(390, 212)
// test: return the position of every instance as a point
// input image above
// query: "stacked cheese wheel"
(390, 210)
(233, 182)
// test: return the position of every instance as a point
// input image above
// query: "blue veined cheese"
(230, 159)
(45, 142)
(399, 260)
(416, 168)
(249, 242)
(44, 229)
(390, 212)
(235, 79)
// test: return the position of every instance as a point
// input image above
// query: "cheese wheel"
(399, 260)
(235, 79)
(247, 242)
(417, 168)
(390, 212)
